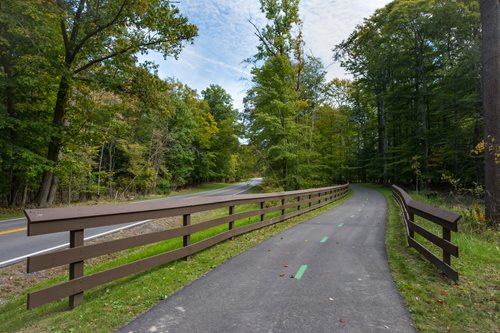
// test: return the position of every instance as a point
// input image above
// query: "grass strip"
(12, 213)
(110, 306)
(435, 303)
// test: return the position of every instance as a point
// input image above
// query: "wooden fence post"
(262, 207)
(282, 204)
(446, 255)
(231, 223)
(186, 240)
(76, 268)
(411, 233)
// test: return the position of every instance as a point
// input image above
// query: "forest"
(81, 117)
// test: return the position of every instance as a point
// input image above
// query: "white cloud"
(226, 38)
(327, 23)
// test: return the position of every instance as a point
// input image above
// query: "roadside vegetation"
(112, 305)
(437, 304)
(11, 213)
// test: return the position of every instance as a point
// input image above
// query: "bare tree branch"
(114, 54)
(262, 38)
(99, 29)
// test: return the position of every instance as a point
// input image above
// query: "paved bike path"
(327, 274)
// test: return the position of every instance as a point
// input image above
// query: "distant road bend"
(15, 246)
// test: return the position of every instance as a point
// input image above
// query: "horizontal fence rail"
(446, 219)
(77, 219)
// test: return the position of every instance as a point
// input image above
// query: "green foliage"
(417, 63)
(81, 119)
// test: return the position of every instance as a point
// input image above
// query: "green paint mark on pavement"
(300, 272)
(341, 224)
(324, 239)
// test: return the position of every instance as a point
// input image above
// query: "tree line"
(411, 114)
(81, 118)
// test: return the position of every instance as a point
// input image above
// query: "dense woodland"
(411, 115)
(80, 118)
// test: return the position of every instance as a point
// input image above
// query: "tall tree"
(226, 141)
(272, 107)
(97, 32)
(28, 49)
(490, 20)
(419, 61)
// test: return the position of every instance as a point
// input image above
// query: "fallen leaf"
(342, 321)
(443, 292)
(281, 275)
(285, 266)
(292, 276)
(440, 301)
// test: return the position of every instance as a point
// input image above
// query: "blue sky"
(226, 38)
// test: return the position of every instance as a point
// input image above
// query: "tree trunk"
(382, 136)
(49, 180)
(25, 195)
(490, 20)
(15, 179)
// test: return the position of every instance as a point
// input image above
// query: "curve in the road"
(15, 246)
(327, 274)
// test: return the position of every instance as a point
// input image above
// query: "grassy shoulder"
(8, 213)
(437, 304)
(114, 304)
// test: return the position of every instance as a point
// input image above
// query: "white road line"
(66, 244)
(18, 219)
(243, 190)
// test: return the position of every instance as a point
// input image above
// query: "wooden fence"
(446, 219)
(77, 219)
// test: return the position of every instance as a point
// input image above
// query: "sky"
(226, 38)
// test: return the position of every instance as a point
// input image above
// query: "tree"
(416, 62)
(27, 52)
(96, 33)
(490, 19)
(225, 145)
(271, 106)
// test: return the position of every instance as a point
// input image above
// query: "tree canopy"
(81, 118)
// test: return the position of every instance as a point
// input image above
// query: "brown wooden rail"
(76, 219)
(446, 219)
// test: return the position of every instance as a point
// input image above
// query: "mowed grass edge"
(114, 304)
(13, 213)
(436, 303)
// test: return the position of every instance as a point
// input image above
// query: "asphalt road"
(328, 274)
(15, 246)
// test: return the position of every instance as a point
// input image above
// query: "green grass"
(200, 188)
(7, 213)
(114, 304)
(437, 304)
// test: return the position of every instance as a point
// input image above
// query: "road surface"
(15, 246)
(328, 274)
